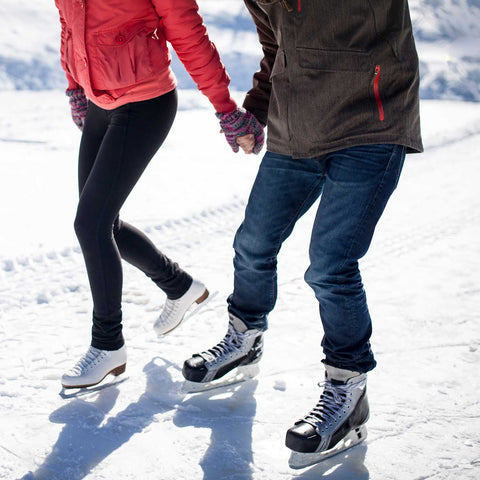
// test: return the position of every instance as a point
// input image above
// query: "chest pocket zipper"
(376, 91)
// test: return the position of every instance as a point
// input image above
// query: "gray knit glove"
(239, 123)
(78, 105)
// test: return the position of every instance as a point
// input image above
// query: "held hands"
(241, 128)
(78, 105)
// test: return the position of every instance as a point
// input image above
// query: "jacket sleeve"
(72, 84)
(184, 29)
(258, 98)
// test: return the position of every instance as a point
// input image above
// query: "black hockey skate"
(232, 360)
(335, 424)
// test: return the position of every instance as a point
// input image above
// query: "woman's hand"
(243, 130)
(78, 106)
(247, 143)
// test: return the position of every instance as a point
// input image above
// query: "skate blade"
(73, 392)
(194, 308)
(302, 460)
(238, 375)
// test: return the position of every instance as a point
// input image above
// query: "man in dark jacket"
(338, 89)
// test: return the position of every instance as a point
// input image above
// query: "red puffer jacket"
(116, 50)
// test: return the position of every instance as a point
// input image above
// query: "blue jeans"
(355, 184)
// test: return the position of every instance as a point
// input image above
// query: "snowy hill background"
(447, 33)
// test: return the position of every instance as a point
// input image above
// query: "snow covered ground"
(422, 276)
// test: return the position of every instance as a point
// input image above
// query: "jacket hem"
(130, 98)
(412, 146)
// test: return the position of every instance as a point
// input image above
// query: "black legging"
(116, 147)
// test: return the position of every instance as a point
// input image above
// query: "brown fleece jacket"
(335, 74)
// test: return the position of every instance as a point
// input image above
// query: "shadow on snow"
(89, 437)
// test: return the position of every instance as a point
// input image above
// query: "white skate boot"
(335, 424)
(174, 310)
(232, 360)
(94, 366)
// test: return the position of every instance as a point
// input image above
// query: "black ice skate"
(335, 424)
(232, 360)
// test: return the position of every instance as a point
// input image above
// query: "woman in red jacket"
(114, 53)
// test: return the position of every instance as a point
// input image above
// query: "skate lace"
(232, 341)
(90, 358)
(170, 308)
(333, 400)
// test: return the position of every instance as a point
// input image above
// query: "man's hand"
(247, 143)
(242, 129)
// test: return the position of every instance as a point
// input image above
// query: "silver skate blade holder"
(303, 460)
(238, 375)
(67, 393)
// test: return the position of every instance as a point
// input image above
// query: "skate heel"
(359, 434)
(202, 297)
(238, 375)
(248, 371)
(302, 460)
(119, 370)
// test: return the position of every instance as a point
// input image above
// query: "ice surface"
(422, 276)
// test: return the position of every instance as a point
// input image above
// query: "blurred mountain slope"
(447, 34)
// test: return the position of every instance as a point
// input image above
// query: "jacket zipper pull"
(287, 6)
(376, 90)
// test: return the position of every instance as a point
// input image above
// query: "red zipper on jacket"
(376, 90)
(299, 5)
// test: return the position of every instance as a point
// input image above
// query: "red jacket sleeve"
(184, 29)
(72, 84)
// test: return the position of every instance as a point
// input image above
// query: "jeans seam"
(370, 204)
(293, 222)
(360, 226)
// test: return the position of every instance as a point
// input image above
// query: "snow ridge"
(62, 267)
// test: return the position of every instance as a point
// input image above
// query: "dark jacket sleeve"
(258, 98)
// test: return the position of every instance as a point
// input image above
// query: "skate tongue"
(339, 376)
(237, 324)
